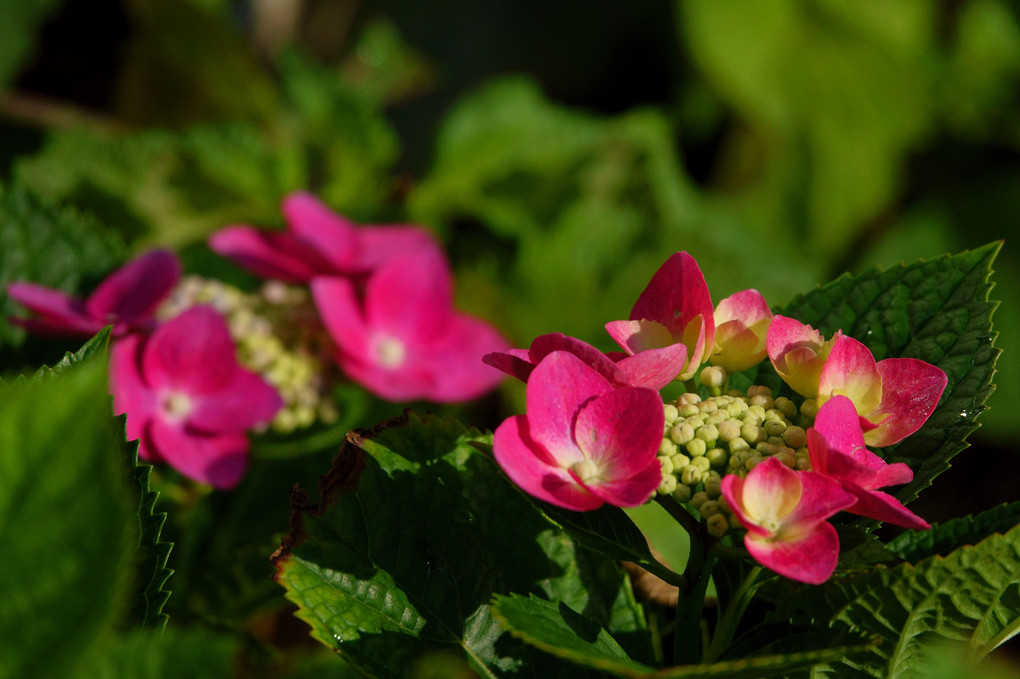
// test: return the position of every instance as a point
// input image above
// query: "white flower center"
(586, 470)
(176, 405)
(390, 352)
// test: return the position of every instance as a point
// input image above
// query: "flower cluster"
(775, 468)
(196, 365)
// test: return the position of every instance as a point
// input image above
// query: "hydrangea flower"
(785, 514)
(654, 368)
(837, 449)
(742, 321)
(582, 442)
(401, 337)
(319, 242)
(187, 400)
(893, 397)
(127, 299)
(798, 353)
(675, 307)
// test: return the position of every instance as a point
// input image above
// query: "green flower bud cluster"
(705, 440)
(278, 335)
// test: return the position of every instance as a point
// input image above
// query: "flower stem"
(726, 627)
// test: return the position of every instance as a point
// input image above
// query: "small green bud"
(717, 525)
(766, 448)
(713, 487)
(752, 434)
(683, 493)
(735, 522)
(765, 402)
(795, 437)
(708, 433)
(713, 377)
(679, 461)
(666, 464)
(757, 411)
(737, 445)
(681, 433)
(688, 409)
(752, 462)
(786, 457)
(667, 447)
(786, 406)
(802, 464)
(701, 463)
(809, 409)
(671, 412)
(690, 475)
(667, 486)
(696, 447)
(729, 430)
(775, 427)
(689, 398)
(717, 457)
(708, 508)
(699, 499)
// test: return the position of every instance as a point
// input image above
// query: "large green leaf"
(190, 653)
(416, 532)
(971, 596)
(68, 531)
(913, 545)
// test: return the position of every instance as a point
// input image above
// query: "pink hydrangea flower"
(127, 299)
(675, 307)
(187, 400)
(654, 368)
(785, 515)
(893, 397)
(401, 337)
(742, 321)
(837, 449)
(583, 442)
(319, 242)
(798, 353)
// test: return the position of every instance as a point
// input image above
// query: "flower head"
(741, 323)
(798, 353)
(583, 442)
(675, 307)
(319, 242)
(187, 400)
(127, 299)
(837, 449)
(654, 368)
(401, 337)
(785, 515)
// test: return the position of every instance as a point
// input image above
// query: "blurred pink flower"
(400, 336)
(837, 449)
(583, 442)
(798, 353)
(319, 242)
(894, 396)
(785, 515)
(741, 323)
(675, 307)
(654, 368)
(187, 400)
(127, 299)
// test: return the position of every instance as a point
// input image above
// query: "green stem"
(680, 515)
(726, 627)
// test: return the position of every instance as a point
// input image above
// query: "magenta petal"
(821, 497)
(637, 336)
(558, 387)
(412, 381)
(676, 294)
(411, 297)
(456, 362)
(839, 425)
(911, 389)
(217, 460)
(57, 312)
(130, 392)
(135, 290)
(653, 368)
(192, 352)
(620, 431)
(850, 370)
(244, 403)
(332, 236)
(337, 303)
(269, 254)
(379, 244)
(632, 491)
(534, 470)
(543, 345)
(875, 504)
(809, 557)
(514, 362)
(785, 334)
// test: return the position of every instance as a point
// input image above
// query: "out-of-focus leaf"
(192, 653)
(19, 20)
(67, 528)
(97, 346)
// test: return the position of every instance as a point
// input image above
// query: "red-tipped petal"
(543, 345)
(276, 255)
(809, 557)
(911, 390)
(621, 431)
(217, 460)
(637, 336)
(875, 504)
(57, 313)
(192, 352)
(630, 492)
(676, 294)
(530, 466)
(331, 235)
(514, 362)
(133, 292)
(840, 427)
(850, 370)
(653, 368)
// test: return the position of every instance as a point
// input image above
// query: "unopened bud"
(717, 525)
(698, 499)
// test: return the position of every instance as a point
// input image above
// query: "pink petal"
(192, 352)
(530, 466)
(630, 492)
(741, 322)
(652, 368)
(621, 431)
(455, 360)
(875, 504)
(676, 294)
(337, 303)
(809, 557)
(747, 306)
(514, 362)
(543, 345)
(637, 336)
(332, 236)
(558, 387)
(787, 333)
(269, 254)
(246, 402)
(57, 312)
(798, 353)
(850, 370)
(130, 392)
(134, 291)
(217, 460)
(839, 426)
(412, 381)
(911, 390)
(378, 244)
(411, 297)
(821, 497)
(770, 491)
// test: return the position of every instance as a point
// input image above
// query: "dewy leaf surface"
(67, 528)
(971, 596)
(936, 310)
(417, 531)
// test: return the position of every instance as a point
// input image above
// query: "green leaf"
(914, 545)
(51, 246)
(192, 653)
(68, 531)
(97, 346)
(560, 631)
(416, 532)
(936, 310)
(971, 596)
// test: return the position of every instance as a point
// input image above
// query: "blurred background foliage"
(560, 150)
